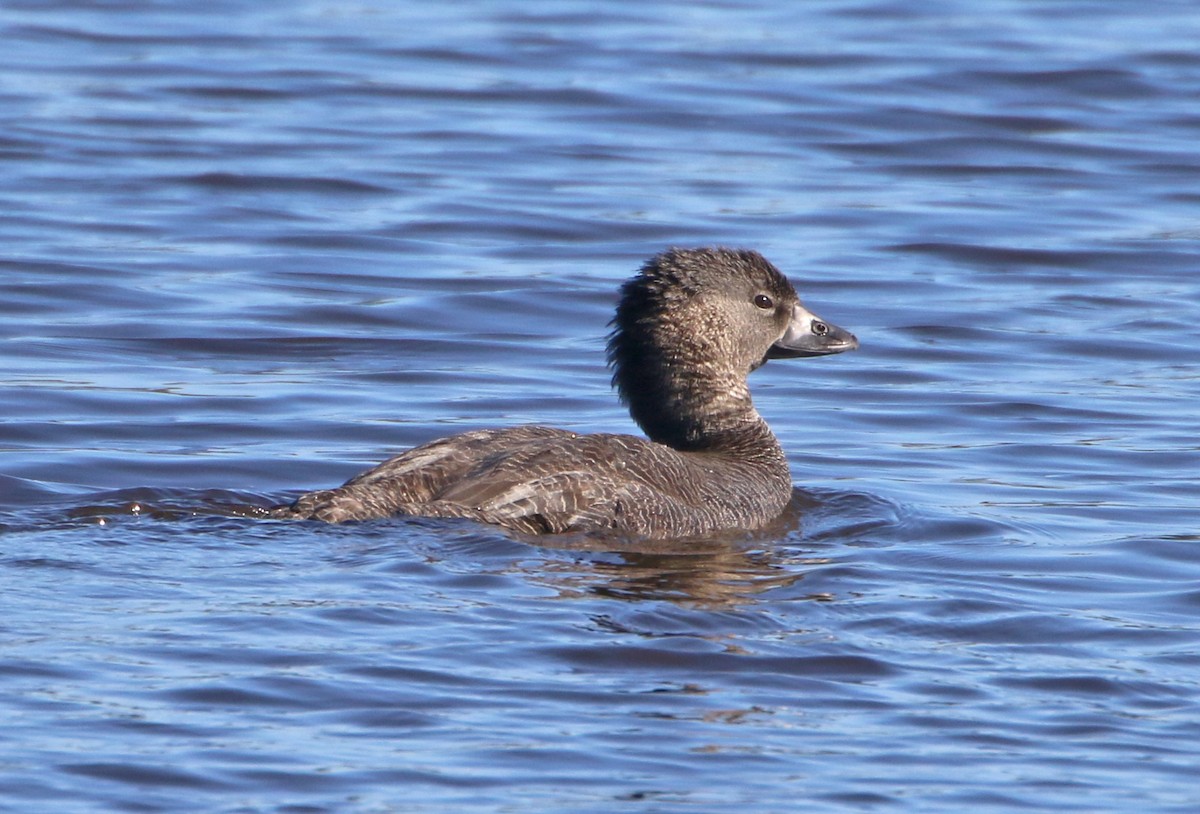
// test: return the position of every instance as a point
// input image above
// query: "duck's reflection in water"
(714, 571)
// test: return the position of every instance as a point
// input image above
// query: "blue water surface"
(252, 248)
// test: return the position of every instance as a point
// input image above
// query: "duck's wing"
(579, 483)
(536, 480)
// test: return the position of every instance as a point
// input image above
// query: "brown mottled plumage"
(689, 328)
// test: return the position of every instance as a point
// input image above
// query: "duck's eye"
(819, 328)
(763, 301)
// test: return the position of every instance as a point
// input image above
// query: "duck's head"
(692, 324)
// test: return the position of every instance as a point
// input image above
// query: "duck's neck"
(693, 409)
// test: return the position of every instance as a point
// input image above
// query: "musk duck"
(689, 328)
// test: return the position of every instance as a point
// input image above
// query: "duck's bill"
(809, 335)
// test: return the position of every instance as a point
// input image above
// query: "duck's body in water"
(689, 328)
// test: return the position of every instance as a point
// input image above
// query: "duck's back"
(540, 479)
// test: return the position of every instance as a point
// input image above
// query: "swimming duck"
(689, 328)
